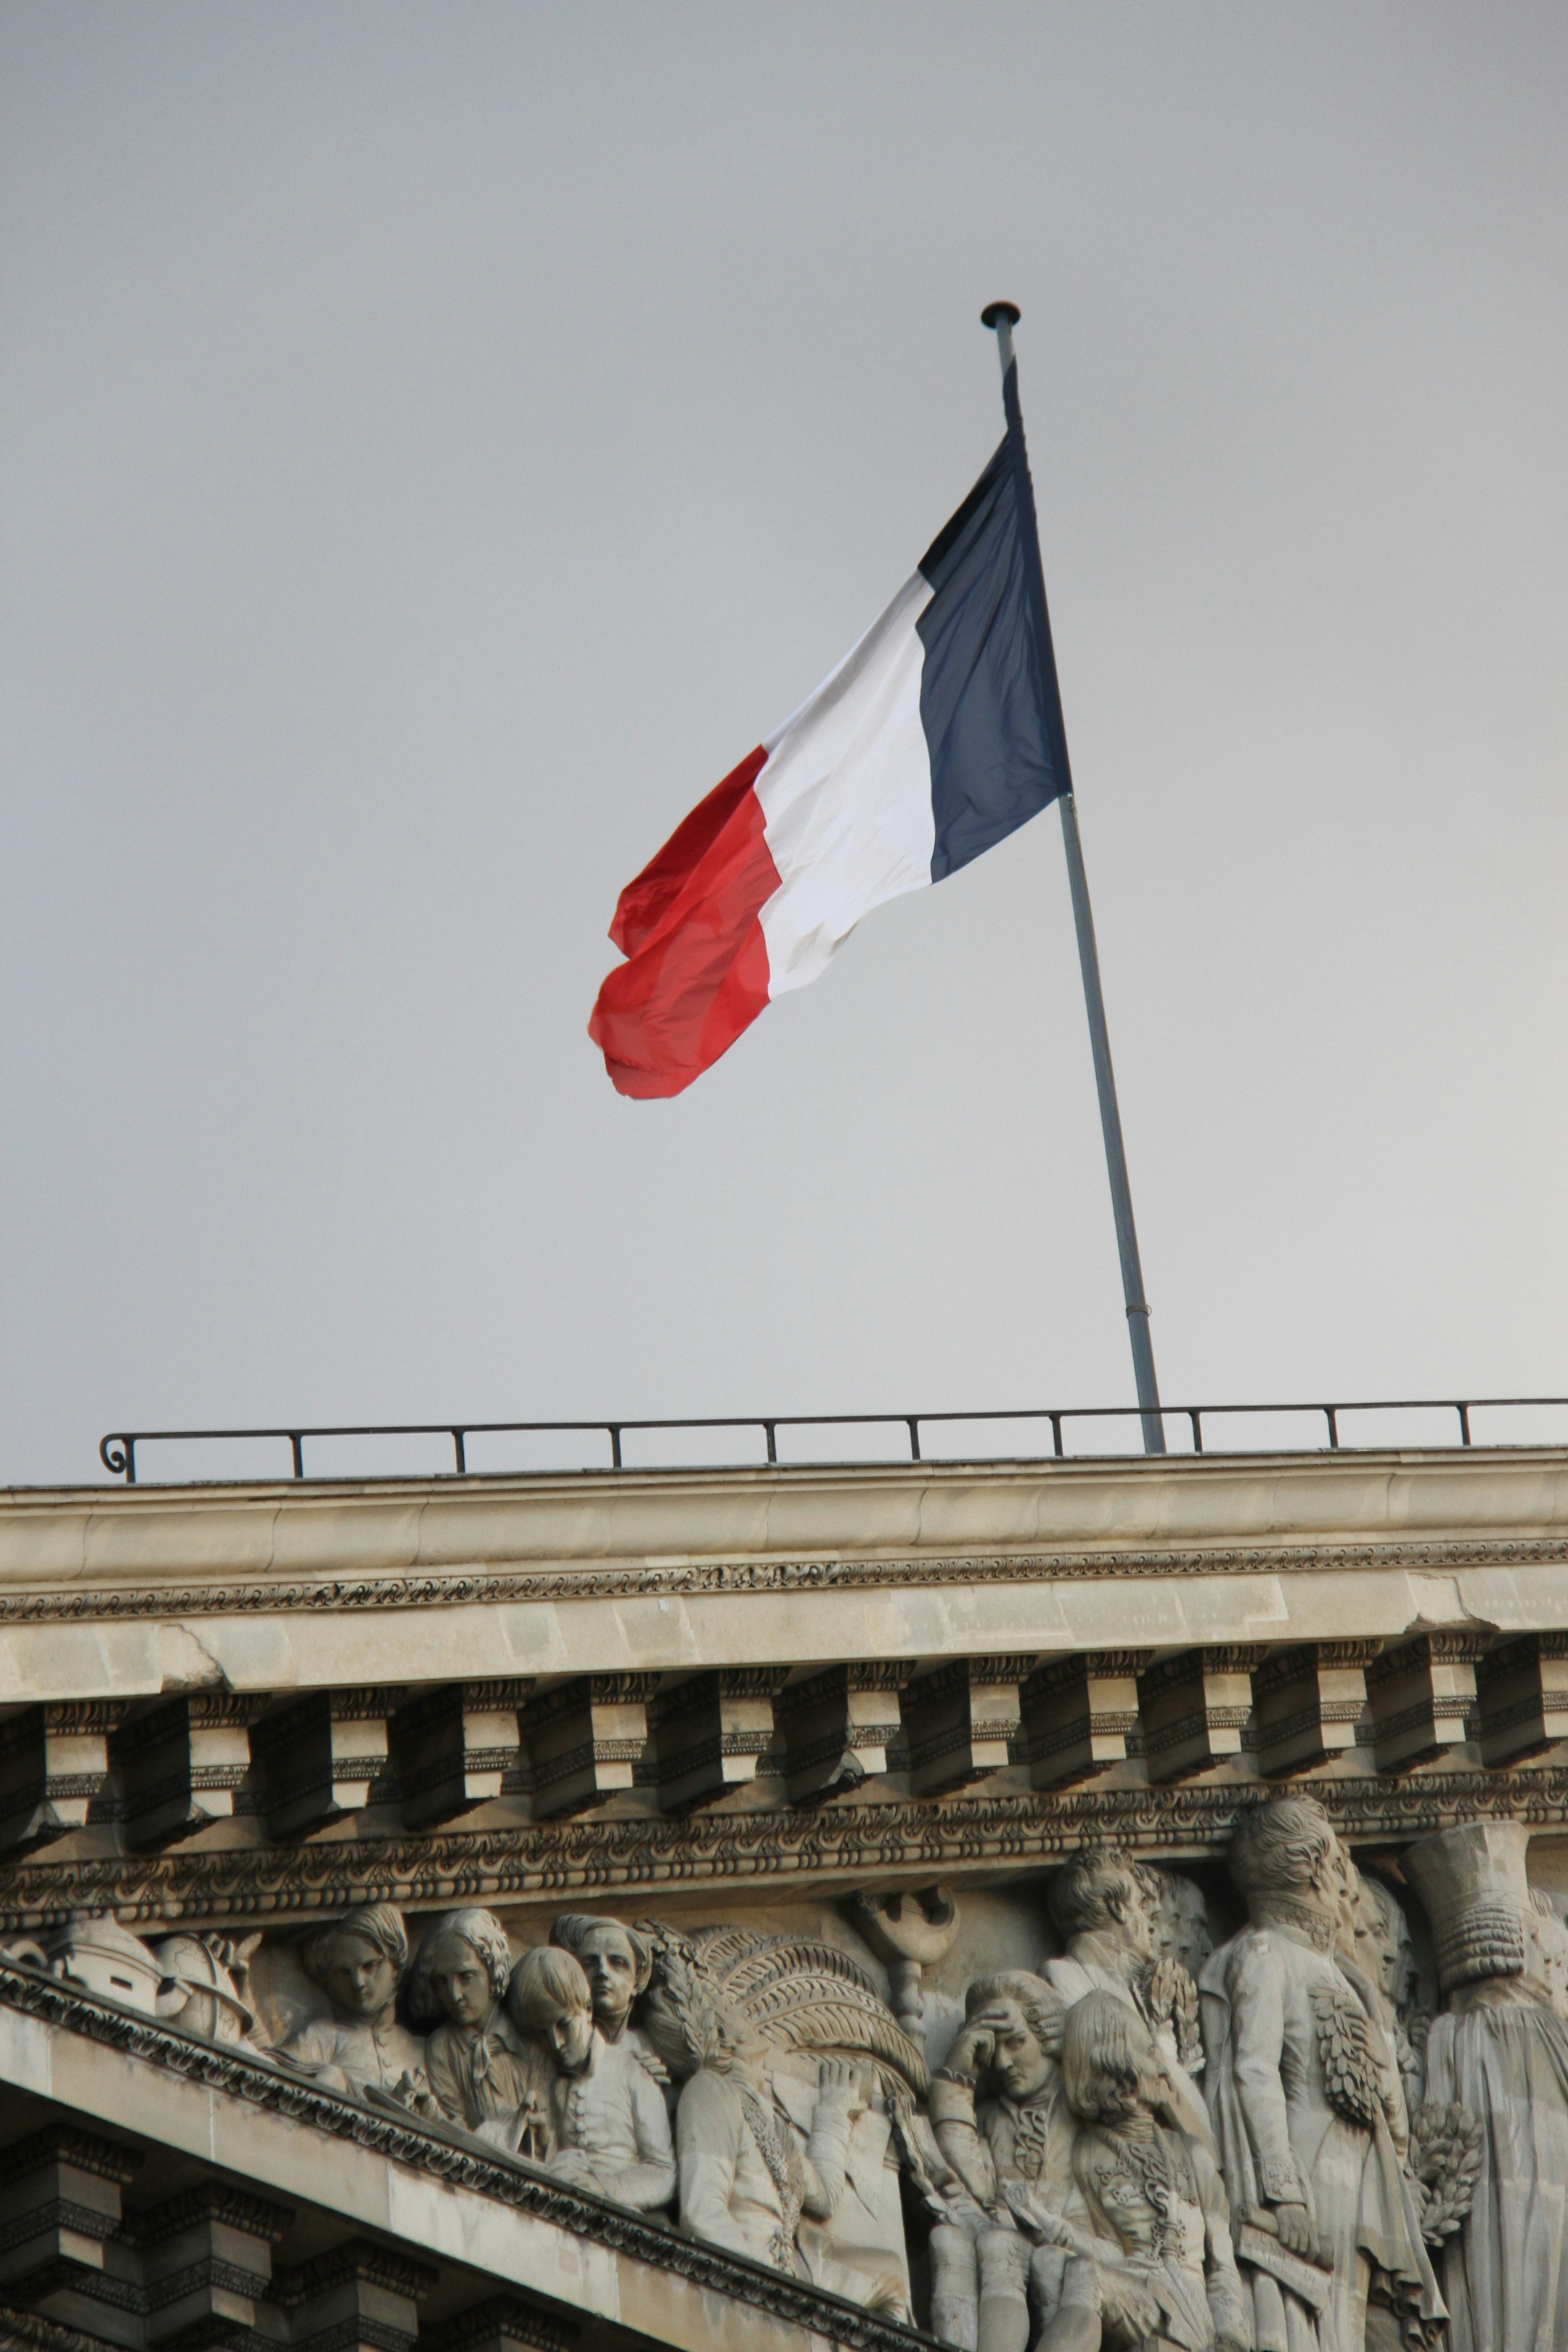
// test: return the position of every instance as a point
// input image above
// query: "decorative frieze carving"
(960, 1720)
(53, 1769)
(710, 1730)
(1078, 1715)
(1310, 1701)
(182, 1763)
(456, 1747)
(838, 1726)
(1195, 1707)
(1423, 1695)
(321, 1757)
(586, 1739)
(1521, 1695)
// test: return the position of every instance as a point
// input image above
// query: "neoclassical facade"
(1030, 1907)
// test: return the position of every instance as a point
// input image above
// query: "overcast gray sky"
(439, 441)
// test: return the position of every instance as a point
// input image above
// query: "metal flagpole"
(1004, 317)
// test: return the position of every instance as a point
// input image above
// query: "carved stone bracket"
(181, 1764)
(1310, 1701)
(53, 1769)
(1522, 1690)
(321, 1757)
(962, 1720)
(587, 1739)
(457, 1746)
(710, 1730)
(1422, 1697)
(59, 2206)
(1079, 1713)
(838, 1727)
(1195, 1707)
(361, 2297)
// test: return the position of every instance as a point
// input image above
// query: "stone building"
(1028, 1905)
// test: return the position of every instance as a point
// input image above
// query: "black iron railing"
(117, 1451)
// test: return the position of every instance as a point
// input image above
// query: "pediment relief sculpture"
(1289, 2154)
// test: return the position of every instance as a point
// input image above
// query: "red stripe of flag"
(697, 972)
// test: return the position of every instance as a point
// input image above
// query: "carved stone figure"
(607, 2126)
(1183, 1928)
(1379, 1946)
(788, 2062)
(476, 2060)
(206, 1986)
(1150, 2191)
(359, 1961)
(1108, 1909)
(1301, 2092)
(907, 1933)
(1501, 2050)
(1005, 2135)
(1551, 1943)
(617, 1964)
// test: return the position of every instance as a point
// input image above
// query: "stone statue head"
(1102, 1890)
(1110, 2065)
(1379, 1944)
(615, 1961)
(1022, 2016)
(1546, 1966)
(1183, 1931)
(1285, 1852)
(550, 2002)
(360, 1960)
(1475, 1890)
(461, 1969)
(685, 2018)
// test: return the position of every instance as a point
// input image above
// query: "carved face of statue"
(1376, 1937)
(1019, 2065)
(1184, 1926)
(610, 1966)
(358, 1976)
(570, 2039)
(460, 1982)
(1546, 1969)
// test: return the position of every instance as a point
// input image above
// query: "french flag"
(937, 735)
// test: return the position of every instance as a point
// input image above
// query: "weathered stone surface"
(1310, 1702)
(1423, 1695)
(1195, 1707)
(1078, 1715)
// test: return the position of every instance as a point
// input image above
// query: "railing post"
(1464, 1413)
(1195, 1417)
(1331, 1415)
(130, 1462)
(914, 1437)
(771, 1428)
(298, 1444)
(460, 1449)
(614, 1429)
(1055, 1421)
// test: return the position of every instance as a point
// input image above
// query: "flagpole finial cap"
(996, 314)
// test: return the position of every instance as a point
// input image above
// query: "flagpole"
(1004, 317)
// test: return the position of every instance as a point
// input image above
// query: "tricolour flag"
(936, 737)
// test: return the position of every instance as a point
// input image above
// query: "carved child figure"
(1154, 2193)
(476, 2060)
(617, 1964)
(359, 1961)
(608, 2131)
